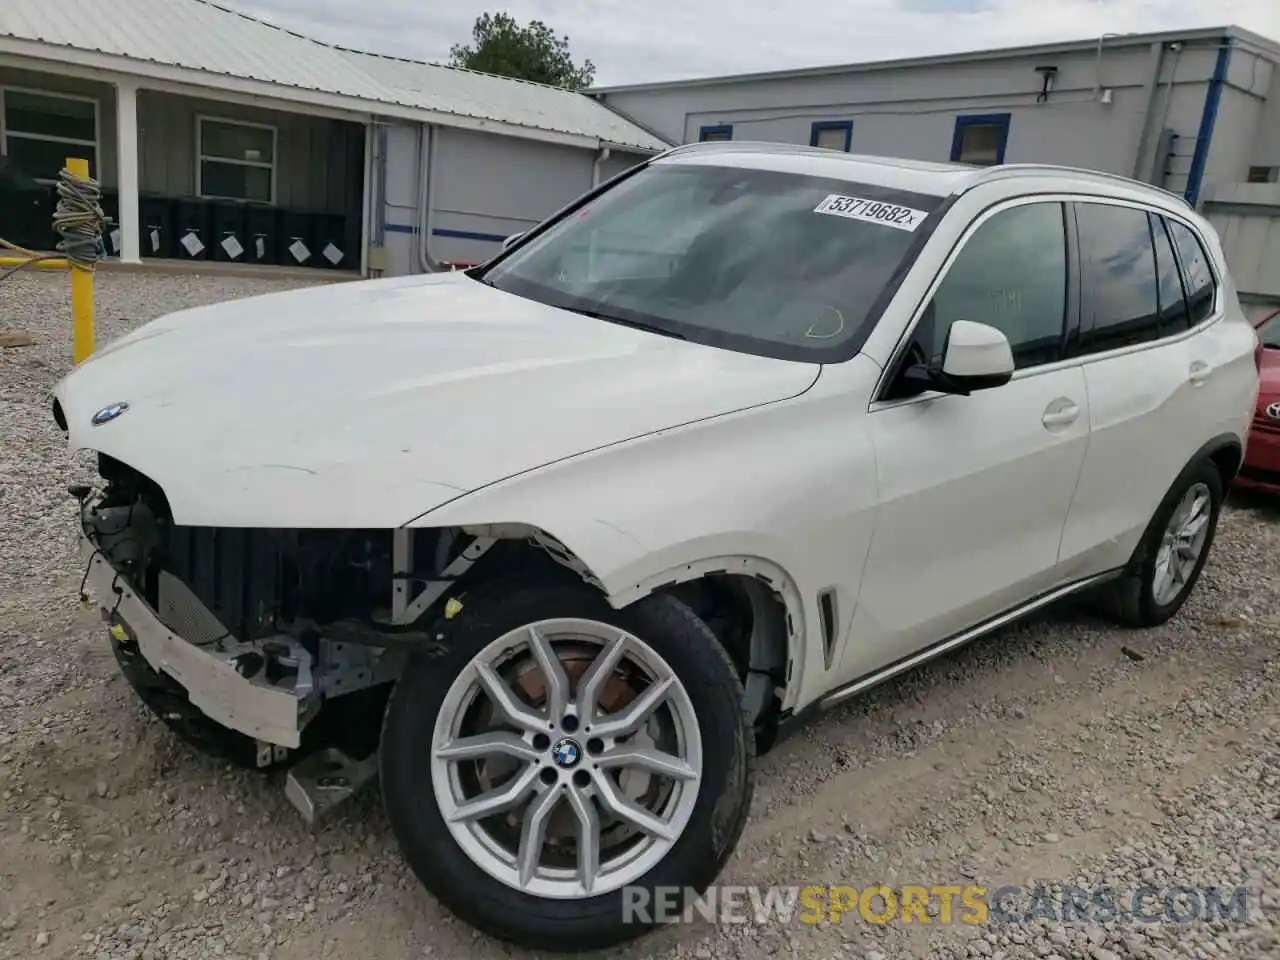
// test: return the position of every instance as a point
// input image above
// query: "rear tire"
(1164, 568)
(461, 858)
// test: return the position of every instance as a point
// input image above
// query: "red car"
(1261, 470)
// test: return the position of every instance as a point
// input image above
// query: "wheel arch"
(776, 650)
(625, 571)
(1226, 451)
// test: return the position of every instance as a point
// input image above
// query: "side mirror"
(511, 239)
(976, 356)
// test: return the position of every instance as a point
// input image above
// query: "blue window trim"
(714, 129)
(1000, 120)
(1208, 118)
(448, 232)
(468, 235)
(822, 126)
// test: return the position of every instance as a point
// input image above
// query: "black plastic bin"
(26, 218)
(262, 228)
(192, 237)
(157, 225)
(334, 242)
(230, 232)
(26, 208)
(296, 245)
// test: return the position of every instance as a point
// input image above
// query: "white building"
(1194, 111)
(219, 136)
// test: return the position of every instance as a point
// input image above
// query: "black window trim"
(1075, 285)
(1071, 322)
(1070, 198)
(1076, 201)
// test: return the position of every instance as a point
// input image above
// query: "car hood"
(365, 404)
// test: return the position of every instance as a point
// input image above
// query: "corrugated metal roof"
(483, 95)
(203, 36)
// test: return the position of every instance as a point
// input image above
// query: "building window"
(723, 131)
(1263, 174)
(42, 130)
(832, 134)
(236, 161)
(980, 140)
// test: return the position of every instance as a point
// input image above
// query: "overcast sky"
(634, 41)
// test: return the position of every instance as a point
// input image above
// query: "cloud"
(671, 39)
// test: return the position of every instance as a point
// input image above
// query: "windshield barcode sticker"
(873, 211)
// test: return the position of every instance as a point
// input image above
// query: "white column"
(127, 169)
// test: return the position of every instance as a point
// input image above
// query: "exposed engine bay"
(316, 614)
(276, 645)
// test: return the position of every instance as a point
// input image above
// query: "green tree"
(532, 52)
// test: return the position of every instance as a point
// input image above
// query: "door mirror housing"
(511, 239)
(976, 356)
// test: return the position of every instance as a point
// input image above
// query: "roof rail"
(1004, 171)
(980, 174)
(744, 146)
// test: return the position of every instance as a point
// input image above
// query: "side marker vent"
(830, 620)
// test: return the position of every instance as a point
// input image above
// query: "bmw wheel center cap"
(566, 753)
(109, 413)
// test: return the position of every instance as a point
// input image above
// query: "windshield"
(754, 260)
(1269, 333)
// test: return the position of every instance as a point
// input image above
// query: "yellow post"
(81, 289)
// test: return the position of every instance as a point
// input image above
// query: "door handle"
(1060, 414)
(1198, 373)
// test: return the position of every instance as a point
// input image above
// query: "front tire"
(564, 760)
(1172, 553)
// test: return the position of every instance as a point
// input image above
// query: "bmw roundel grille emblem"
(107, 414)
(566, 753)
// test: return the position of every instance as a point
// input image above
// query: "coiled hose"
(78, 220)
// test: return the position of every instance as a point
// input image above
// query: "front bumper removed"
(210, 672)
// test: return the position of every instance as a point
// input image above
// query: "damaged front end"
(265, 647)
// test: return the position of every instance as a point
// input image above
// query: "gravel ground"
(1062, 751)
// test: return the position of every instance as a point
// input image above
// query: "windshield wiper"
(626, 322)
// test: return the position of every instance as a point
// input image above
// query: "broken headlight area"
(270, 633)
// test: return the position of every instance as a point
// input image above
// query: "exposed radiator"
(183, 612)
(234, 574)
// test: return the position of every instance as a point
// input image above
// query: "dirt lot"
(1064, 751)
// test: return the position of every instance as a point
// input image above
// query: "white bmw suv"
(556, 544)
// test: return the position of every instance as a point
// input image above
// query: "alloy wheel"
(1182, 544)
(566, 758)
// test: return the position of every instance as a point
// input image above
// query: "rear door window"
(1119, 282)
